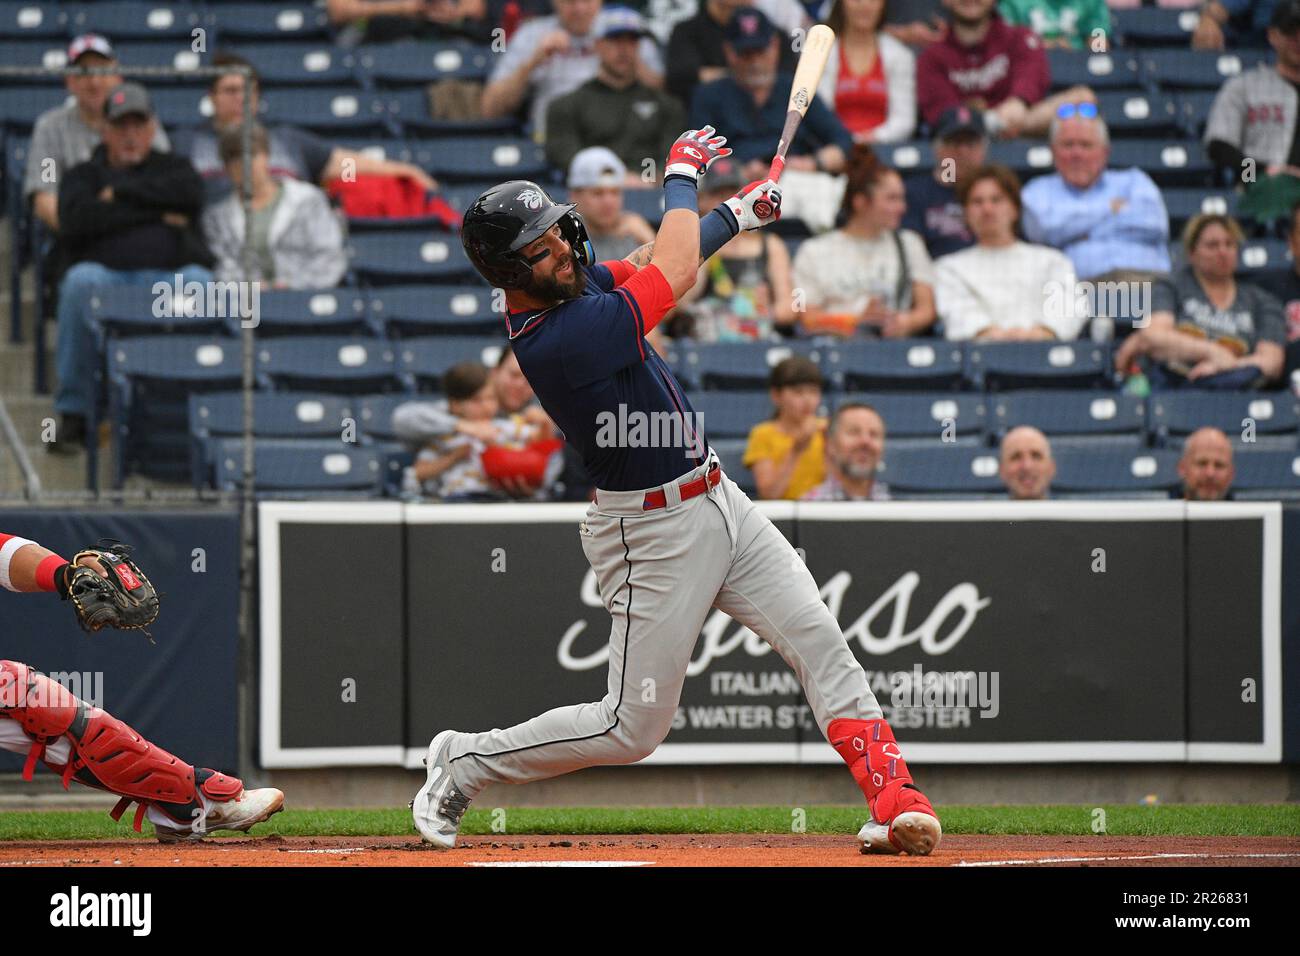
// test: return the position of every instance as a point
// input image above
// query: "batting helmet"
(508, 217)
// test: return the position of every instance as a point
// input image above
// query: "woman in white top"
(868, 277)
(1002, 288)
(870, 78)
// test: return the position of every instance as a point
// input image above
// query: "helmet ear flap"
(574, 231)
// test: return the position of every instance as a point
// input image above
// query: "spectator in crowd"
(614, 109)
(1206, 466)
(383, 21)
(787, 454)
(870, 78)
(1285, 287)
(1225, 24)
(1002, 288)
(933, 210)
(65, 136)
(596, 181)
(1026, 465)
(743, 291)
(297, 237)
(869, 276)
(751, 103)
(129, 216)
(1206, 327)
(462, 465)
(422, 422)
(916, 22)
(554, 55)
(1112, 223)
(989, 66)
(1068, 24)
(695, 49)
(294, 152)
(855, 441)
(1251, 134)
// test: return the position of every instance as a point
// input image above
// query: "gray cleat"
(440, 804)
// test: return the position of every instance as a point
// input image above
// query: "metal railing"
(31, 480)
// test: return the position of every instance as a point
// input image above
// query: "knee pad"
(43, 708)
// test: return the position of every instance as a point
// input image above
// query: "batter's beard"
(553, 290)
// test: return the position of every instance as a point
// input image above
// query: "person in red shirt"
(987, 65)
(870, 77)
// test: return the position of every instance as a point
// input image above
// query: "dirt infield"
(660, 850)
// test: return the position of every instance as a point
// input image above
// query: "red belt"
(696, 486)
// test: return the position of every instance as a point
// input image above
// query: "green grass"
(1121, 820)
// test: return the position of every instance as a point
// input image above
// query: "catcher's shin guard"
(106, 753)
(874, 760)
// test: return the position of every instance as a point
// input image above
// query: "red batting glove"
(694, 152)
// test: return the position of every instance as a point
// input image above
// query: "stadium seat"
(163, 53)
(1140, 114)
(377, 147)
(137, 310)
(392, 257)
(182, 105)
(335, 110)
(999, 366)
(1267, 474)
(1194, 106)
(1099, 71)
(336, 364)
(1274, 416)
(1151, 26)
(423, 362)
(269, 21)
(283, 465)
(910, 158)
(739, 365)
(938, 416)
(730, 414)
(320, 312)
(21, 105)
(406, 311)
(1168, 162)
(1256, 258)
(374, 416)
(647, 203)
(130, 20)
(1183, 204)
(731, 453)
(1069, 418)
(951, 470)
(31, 19)
(409, 108)
(1115, 470)
(285, 63)
(1196, 69)
(925, 365)
(48, 54)
(1026, 157)
(420, 63)
(482, 158)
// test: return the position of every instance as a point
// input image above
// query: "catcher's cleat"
(240, 814)
(440, 804)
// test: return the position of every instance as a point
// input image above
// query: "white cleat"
(440, 804)
(247, 810)
(915, 834)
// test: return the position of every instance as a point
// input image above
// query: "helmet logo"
(530, 198)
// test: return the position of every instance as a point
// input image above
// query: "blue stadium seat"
(285, 465)
(406, 311)
(998, 366)
(1275, 415)
(163, 53)
(731, 454)
(952, 469)
(1099, 71)
(910, 415)
(336, 364)
(392, 257)
(909, 158)
(1196, 69)
(647, 203)
(1267, 474)
(1139, 113)
(409, 108)
(286, 63)
(51, 54)
(418, 64)
(1194, 106)
(730, 414)
(269, 21)
(1154, 26)
(131, 310)
(925, 365)
(130, 20)
(377, 147)
(1168, 162)
(182, 105)
(31, 19)
(482, 157)
(374, 416)
(1073, 418)
(1183, 204)
(20, 106)
(739, 365)
(423, 362)
(1256, 258)
(1115, 470)
(335, 110)
(339, 311)
(1026, 157)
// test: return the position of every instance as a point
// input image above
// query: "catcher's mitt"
(121, 598)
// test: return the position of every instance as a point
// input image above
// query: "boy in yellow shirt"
(787, 453)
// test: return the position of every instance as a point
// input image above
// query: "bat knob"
(763, 209)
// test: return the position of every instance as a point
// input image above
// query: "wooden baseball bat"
(807, 75)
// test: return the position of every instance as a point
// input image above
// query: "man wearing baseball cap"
(66, 135)
(960, 146)
(128, 216)
(596, 178)
(614, 108)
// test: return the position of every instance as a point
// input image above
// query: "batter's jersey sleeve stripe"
(638, 318)
(620, 269)
(622, 679)
(9, 546)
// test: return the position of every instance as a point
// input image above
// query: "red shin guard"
(869, 748)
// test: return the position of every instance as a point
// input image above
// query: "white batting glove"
(756, 205)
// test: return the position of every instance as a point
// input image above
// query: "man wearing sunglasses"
(1110, 222)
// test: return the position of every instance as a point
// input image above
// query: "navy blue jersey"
(604, 385)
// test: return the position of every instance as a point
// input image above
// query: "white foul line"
(1152, 856)
(512, 863)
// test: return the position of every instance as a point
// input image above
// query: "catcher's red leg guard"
(107, 753)
(869, 748)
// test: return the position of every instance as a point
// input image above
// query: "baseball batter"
(40, 718)
(668, 535)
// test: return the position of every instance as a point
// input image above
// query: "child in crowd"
(787, 453)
